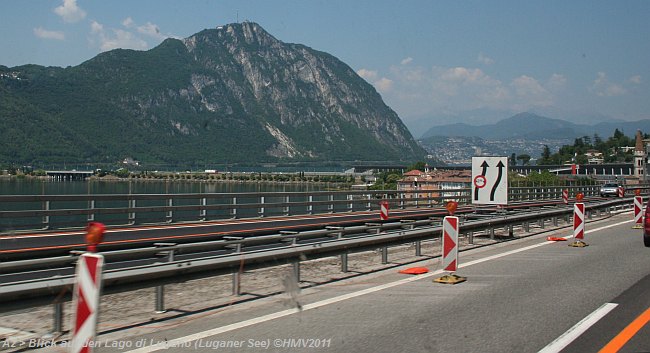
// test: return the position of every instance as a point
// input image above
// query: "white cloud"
(635, 79)
(602, 87)
(70, 12)
(368, 75)
(484, 59)
(45, 34)
(381, 84)
(384, 84)
(414, 90)
(96, 27)
(122, 39)
(530, 93)
(128, 22)
(151, 30)
(556, 82)
(406, 61)
(115, 38)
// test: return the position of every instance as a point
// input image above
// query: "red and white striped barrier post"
(383, 210)
(450, 251)
(621, 192)
(85, 297)
(578, 225)
(638, 210)
(565, 196)
(86, 302)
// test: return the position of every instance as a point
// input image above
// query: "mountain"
(532, 126)
(229, 94)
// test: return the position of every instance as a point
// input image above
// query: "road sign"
(383, 213)
(450, 243)
(86, 302)
(490, 180)
(450, 251)
(578, 225)
(565, 196)
(638, 210)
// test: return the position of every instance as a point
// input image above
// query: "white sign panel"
(490, 180)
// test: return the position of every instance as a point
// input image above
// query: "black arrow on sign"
(485, 166)
(498, 181)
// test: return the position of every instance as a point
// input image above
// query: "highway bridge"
(523, 294)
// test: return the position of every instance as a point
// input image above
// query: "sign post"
(450, 247)
(85, 296)
(383, 210)
(578, 225)
(490, 180)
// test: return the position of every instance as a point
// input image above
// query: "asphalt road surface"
(521, 296)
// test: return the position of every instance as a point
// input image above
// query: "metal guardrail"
(157, 274)
(30, 212)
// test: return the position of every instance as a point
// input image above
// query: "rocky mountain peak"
(233, 92)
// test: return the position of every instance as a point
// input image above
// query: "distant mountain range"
(535, 127)
(224, 95)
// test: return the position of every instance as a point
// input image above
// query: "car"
(646, 225)
(609, 189)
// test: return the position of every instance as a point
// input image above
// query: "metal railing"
(30, 212)
(295, 247)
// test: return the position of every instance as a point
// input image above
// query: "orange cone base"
(414, 271)
(556, 239)
(578, 244)
(450, 279)
(637, 226)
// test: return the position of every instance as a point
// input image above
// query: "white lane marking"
(578, 329)
(182, 341)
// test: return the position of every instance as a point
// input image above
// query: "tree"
(524, 158)
(417, 166)
(513, 159)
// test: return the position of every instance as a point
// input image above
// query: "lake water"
(51, 187)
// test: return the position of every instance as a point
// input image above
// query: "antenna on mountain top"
(237, 16)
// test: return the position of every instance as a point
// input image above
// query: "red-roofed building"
(436, 183)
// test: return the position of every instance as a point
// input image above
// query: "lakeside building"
(435, 183)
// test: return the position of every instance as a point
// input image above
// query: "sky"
(433, 62)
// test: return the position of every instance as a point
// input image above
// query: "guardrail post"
(344, 255)
(46, 218)
(286, 208)
(202, 211)
(310, 207)
(368, 205)
(236, 274)
(160, 290)
(384, 255)
(491, 231)
(401, 201)
(555, 223)
(527, 227)
(262, 208)
(296, 269)
(511, 230)
(589, 215)
(170, 213)
(330, 207)
(470, 238)
(58, 316)
(233, 211)
(91, 206)
(351, 204)
(132, 213)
